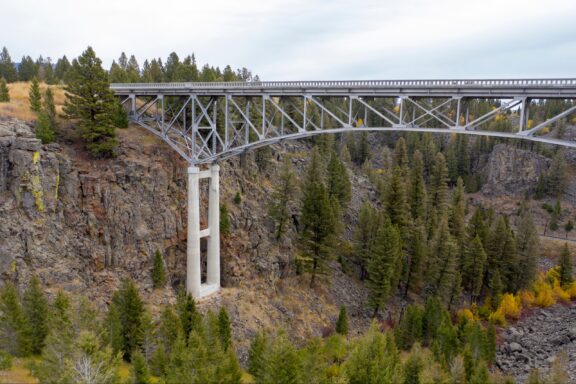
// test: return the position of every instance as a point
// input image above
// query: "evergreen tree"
(34, 96)
(119, 116)
(141, 374)
(46, 124)
(556, 177)
(4, 91)
(282, 364)
(158, 271)
(412, 369)
(565, 266)
(342, 322)
(395, 202)
(282, 198)
(7, 67)
(417, 191)
(416, 252)
(189, 317)
(527, 247)
(439, 185)
(224, 329)
(401, 154)
(257, 355)
(317, 219)
(27, 70)
(368, 224)
(90, 101)
(35, 305)
(133, 70)
(59, 343)
(338, 183)
(442, 265)
(61, 69)
(473, 267)
(409, 329)
(384, 265)
(224, 220)
(14, 329)
(363, 150)
(129, 307)
(457, 213)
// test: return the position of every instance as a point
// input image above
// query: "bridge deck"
(488, 88)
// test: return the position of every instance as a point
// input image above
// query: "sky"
(310, 39)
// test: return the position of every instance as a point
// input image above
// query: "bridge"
(209, 122)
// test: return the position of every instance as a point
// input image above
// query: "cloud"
(313, 39)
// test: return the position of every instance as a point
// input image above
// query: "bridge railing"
(447, 83)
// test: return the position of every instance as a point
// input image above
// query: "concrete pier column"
(213, 264)
(193, 267)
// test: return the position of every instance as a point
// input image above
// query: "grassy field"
(19, 107)
(18, 374)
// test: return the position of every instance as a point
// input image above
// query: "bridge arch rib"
(208, 122)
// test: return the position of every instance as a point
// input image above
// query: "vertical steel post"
(213, 263)
(193, 279)
(458, 113)
(401, 115)
(304, 121)
(226, 121)
(350, 112)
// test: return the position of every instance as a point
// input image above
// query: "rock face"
(534, 342)
(510, 170)
(81, 224)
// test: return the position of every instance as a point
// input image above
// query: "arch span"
(208, 122)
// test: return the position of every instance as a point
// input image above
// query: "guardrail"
(467, 83)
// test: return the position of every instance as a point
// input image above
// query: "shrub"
(572, 290)
(237, 198)
(561, 294)
(544, 295)
(5, 361)
(498, 318)
(510, 306)
(526, 298)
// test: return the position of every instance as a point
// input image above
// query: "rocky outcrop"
(536, 341)
(512, 171)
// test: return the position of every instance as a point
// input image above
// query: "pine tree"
(401, 154)
(458, 212)
(119, 116)
(384, 265)
(224, 329)
(317, 219)
(417, 191)
(4, 91)
(416, 257)
(527, 246)
(338, 183)
(442, 265)
(565, 266)
(44, 129)
(282, 365)
(257, 355)
(158, 271)
(439, 185)
(35, 305)
(7, 67)
(141, 374)
(130, 310)
(342, 322)
(409, 329)
(282, 198)
(412, 369)
(90, 101)
(224, 220)
(14, 336)
(473, 267)
(189, 317)
(34, 96)
(363, 150)
(364, 234)
(61, 69)
(395, 202)
(556, 178)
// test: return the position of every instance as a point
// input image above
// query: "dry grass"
(18, 374)
(19, 107)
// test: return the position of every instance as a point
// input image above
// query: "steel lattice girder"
(204, 127)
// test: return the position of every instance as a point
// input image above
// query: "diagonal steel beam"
(532, 131)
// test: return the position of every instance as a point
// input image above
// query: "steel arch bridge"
(208, 122)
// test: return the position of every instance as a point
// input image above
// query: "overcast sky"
(310, 39)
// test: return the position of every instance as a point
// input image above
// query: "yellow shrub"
(561, 294)
(553, 276)
(510, 307)
(571, 289)
(526, 298)
(544, 295)
(498, 318)
(466, 314)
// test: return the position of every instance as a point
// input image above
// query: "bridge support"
(194, 284)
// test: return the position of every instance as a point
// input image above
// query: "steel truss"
(210, 123)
